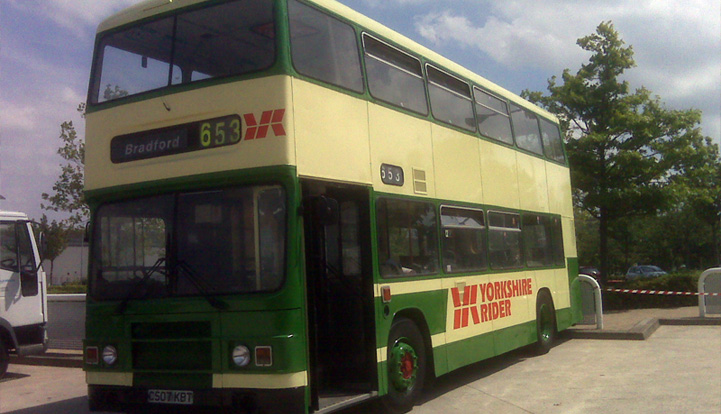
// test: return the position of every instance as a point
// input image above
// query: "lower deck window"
(543, 240)
(464, 240)
(504, 240)
(407, 238)
(190, 244)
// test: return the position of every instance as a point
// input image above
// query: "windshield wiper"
(197, 281)
(146, 276)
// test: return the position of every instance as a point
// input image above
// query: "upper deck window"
(525, 126)
(324, 48)
(493, 119)
(228, 39)
(450, 99)
(552, 143)
(394, 76)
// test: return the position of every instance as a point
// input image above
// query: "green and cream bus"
(295, 209)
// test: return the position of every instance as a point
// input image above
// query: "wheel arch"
(416, 316)
(7, 334)
(545, 291)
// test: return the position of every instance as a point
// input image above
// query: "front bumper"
(255, 401)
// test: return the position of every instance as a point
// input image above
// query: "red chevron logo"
(268, 120)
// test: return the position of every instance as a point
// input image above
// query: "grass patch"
(68, 288)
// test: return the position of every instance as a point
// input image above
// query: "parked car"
(590, 271)
(644, 272)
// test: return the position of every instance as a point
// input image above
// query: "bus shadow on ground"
(10, 376)
(461, 377)
(474, 372)
(76, 405)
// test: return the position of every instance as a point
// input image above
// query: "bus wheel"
(545, 323)
(406, 366)
(4, 359)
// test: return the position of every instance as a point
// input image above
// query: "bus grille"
(172, 346)
(170, 330)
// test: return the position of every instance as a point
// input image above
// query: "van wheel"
(545, 323)
(406, 366)
(4, 359)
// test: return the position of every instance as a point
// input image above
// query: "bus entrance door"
(340, 292)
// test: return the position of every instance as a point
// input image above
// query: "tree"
(624, 147)
(56, 240)
(699, 190)
(68, 189)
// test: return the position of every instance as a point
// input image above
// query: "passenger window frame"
(436, 83)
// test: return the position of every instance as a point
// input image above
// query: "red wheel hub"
(407, 365)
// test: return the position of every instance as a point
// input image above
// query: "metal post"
(597, 295)
(702, 289)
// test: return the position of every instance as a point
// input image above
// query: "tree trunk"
(714, 235)
(52, 266)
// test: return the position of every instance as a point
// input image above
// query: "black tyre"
(4, 359)
(407, 366)
(545, 323)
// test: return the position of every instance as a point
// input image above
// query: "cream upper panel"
(404, 141)
(254, 101)
(499, 172)
(457, 164)
(533, 190)
(559, 185)
(331, 131)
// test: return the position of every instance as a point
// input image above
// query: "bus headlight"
(241, 356)
(110, 355)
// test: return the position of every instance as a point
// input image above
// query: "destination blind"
(194, 136)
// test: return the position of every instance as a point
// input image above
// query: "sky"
(46, 50)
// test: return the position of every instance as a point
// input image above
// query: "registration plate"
(170, 397)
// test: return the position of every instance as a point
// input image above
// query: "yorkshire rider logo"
(464, 306)
(268, 120)
(495, 301)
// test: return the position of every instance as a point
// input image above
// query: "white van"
(23, 305)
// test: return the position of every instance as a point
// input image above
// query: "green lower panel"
(576, 313)
(514, 337)
(469, 351)
(475, 349)
(440, 360)
(565, 319)
(382, 378)
(173, 381)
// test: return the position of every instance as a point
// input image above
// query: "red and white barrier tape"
(661, 292)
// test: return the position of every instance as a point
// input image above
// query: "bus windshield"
(190, 244)
(228, 39)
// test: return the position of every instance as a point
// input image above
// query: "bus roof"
(149, 8)
(12, 215)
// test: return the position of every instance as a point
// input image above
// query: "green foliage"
(629, 155)
(68, 288)
(56, 240)
(68, 189)
(676, 282)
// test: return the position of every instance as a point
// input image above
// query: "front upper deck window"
(228, 39)
(324, 48)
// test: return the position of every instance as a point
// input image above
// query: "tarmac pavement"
(675, 369)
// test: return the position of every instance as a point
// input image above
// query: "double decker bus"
(295, 209)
